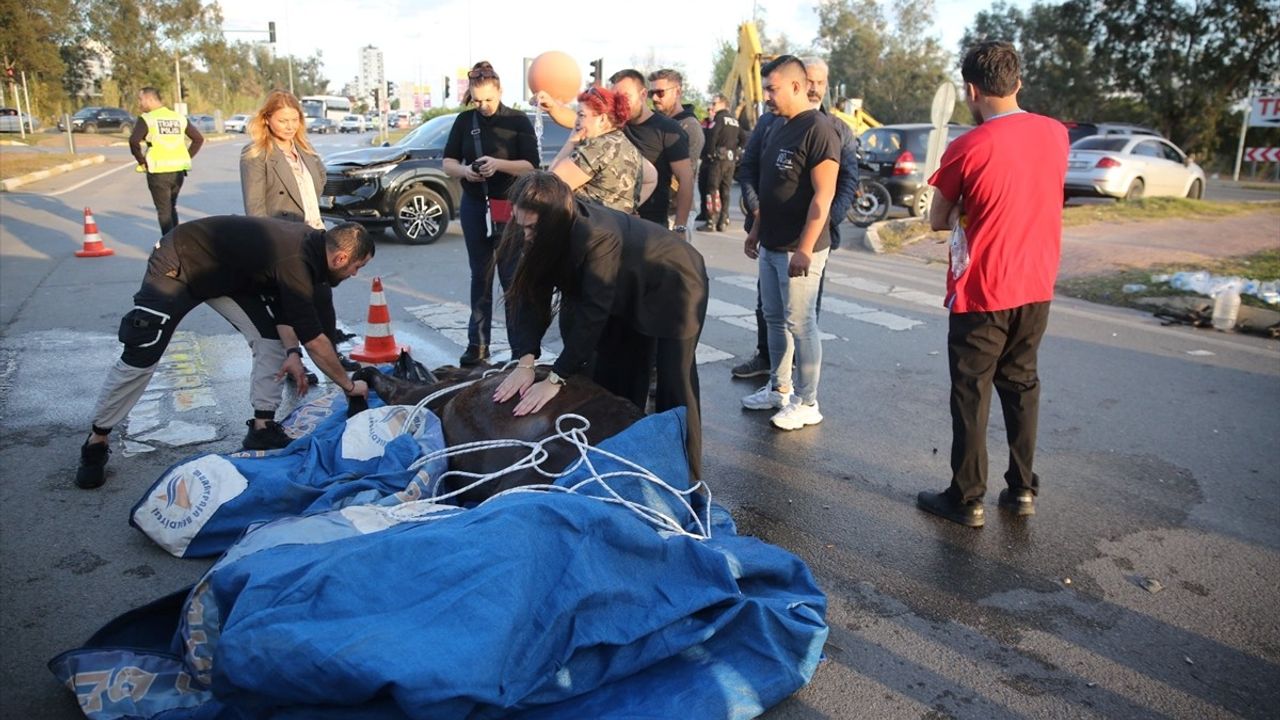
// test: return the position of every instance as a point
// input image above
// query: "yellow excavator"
(745, 91)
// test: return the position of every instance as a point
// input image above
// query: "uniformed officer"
(725, 142)
(166, 158)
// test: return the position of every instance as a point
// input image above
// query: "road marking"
(99, 176)
(450, 320)
(745, 317)
(839, 306)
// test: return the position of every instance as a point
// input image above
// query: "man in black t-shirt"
(662, 142)
(666, 92)
(271, 279)
(790, 238)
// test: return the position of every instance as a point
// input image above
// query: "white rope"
(537, 454)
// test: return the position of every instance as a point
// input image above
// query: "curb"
(871, 239)
(17, 182)
(14, 143)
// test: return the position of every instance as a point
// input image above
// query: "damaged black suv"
(404, 185)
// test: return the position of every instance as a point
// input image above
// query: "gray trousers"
(159, 305)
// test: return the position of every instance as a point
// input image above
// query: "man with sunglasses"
(666, 92)
(662, 142)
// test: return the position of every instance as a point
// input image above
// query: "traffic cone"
(93, 246)
(379, 344)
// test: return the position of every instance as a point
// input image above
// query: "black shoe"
(1019, 502)
(342, 336)
(707, 227)
(722, 227)
(271, 437)
(347, 363)
(474, 355)
(941, 504)
(92, 472)
(757, 366)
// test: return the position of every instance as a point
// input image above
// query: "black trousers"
(622, 365)
(704, 187)
(720, 180)
(1000, 348)
(164, 189)
(481, 248)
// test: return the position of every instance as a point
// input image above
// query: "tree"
(721, 64)
(1189, 61)
(895, 68)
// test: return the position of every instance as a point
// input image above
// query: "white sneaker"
(766, 398)
(796, 415)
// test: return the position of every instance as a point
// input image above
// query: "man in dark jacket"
(271, 279)
(725, 142)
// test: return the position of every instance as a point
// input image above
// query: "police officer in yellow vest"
(166, 158)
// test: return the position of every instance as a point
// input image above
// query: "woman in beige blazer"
(281, 175)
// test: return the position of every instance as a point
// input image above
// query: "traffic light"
(271, 31)
(597, 72)
(376, 104)
(391, 90)
(446, 87)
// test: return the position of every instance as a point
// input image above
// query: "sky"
(423, 40)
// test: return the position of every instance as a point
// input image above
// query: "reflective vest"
(166, 141)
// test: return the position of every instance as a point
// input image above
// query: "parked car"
(9, 121)
(97, 119)
(896, 153)
(237, 123)
(351, 123)
(322, 126)
(1128, 167)
(403, 185)
(1080, 130)
(203, 123)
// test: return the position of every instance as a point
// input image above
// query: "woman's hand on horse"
(515, 384)
(533, 399)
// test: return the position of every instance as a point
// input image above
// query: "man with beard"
(662, 142)
(666, 91)
(271, 279)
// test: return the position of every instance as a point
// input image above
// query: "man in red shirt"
(1003, 183)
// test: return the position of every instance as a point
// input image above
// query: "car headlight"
(371, 172)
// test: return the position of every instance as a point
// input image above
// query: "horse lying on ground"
(470, 415)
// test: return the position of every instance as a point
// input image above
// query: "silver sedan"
(1128, 167)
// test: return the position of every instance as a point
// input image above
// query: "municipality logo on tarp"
(180, 505)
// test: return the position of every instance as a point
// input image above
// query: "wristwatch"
(679, 228)
(554, 378)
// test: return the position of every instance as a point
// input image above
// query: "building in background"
(371, 74)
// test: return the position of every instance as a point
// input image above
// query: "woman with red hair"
(598, 162)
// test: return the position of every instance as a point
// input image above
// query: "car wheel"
(1135, 190)
(89, 128)
(421, 216)
(126, 128)
(1196, 191)
(920, 203)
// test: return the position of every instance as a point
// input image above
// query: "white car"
(351, 123)
(236, 123)
(9, 121)
(1129, 167)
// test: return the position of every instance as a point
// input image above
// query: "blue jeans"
(480, 256)
(791, 313)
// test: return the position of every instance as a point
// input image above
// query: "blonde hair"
(261, 133)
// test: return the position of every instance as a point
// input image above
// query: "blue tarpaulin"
(532, 605)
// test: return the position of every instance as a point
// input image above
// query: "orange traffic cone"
(379, 344)
(93, 246)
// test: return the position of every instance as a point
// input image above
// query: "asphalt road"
(1157, 453)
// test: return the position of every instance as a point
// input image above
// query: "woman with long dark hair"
(630, 290)
(487, 149)
(598, 161)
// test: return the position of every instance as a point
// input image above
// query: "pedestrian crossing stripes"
(450, 320)
(851, 310)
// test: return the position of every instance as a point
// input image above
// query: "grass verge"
(1149, 209)
(1109, 288)
(15, 163)
(897, 234)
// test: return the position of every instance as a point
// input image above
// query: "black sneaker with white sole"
(757, 366)
(271, 437)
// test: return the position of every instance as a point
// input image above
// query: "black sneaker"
(757, 366)
(92, 472)
(1019, 502)
(474, 355)
(707, 227)
(941, 504)
(271, 437)
(347, 363)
